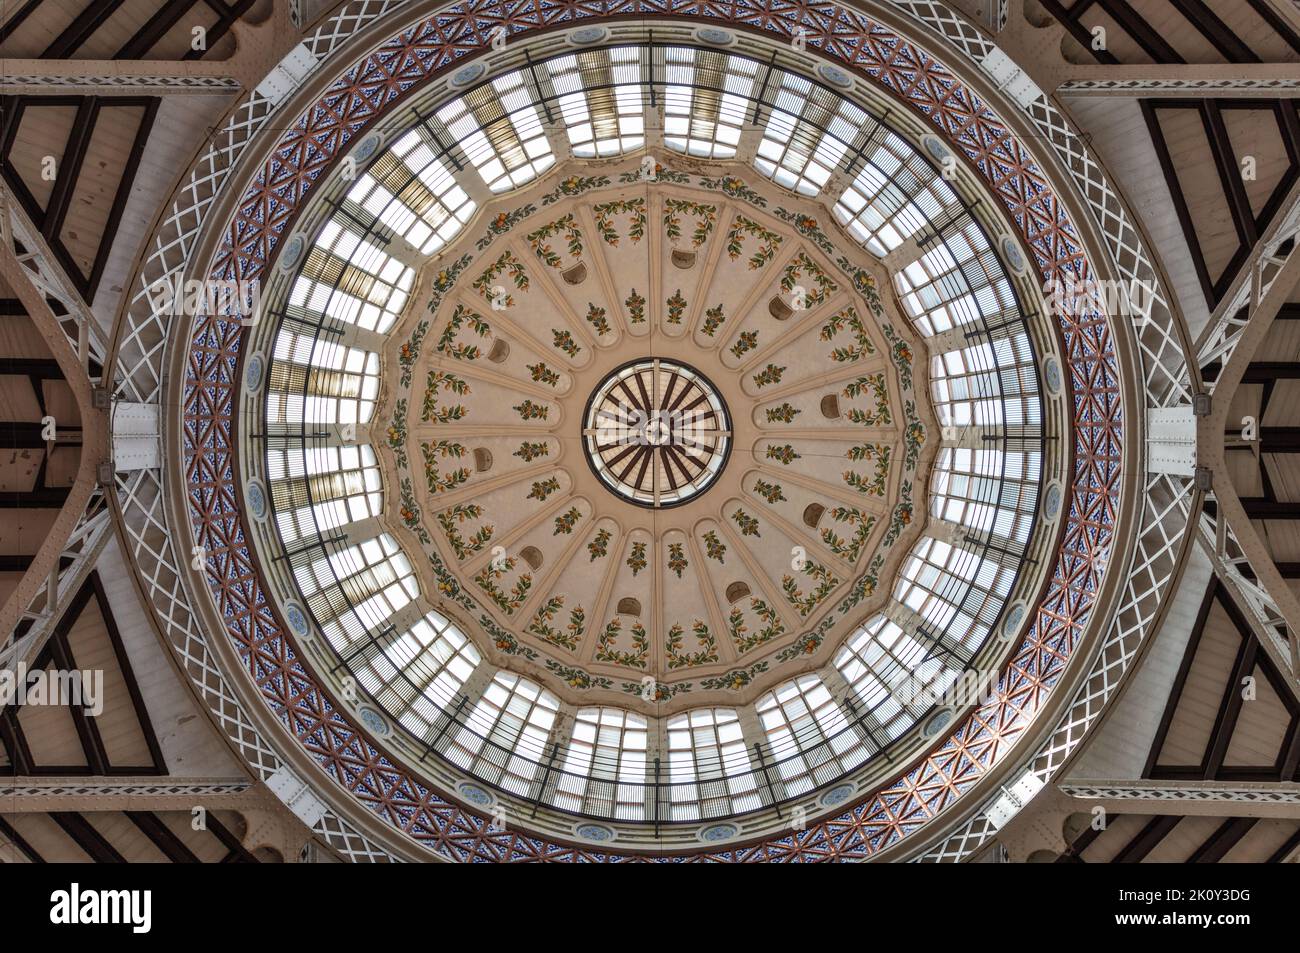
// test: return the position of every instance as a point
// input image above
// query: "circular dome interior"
(684, 619)
(636, 431)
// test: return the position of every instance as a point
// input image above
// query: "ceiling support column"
(1229, 537)
(81, 527)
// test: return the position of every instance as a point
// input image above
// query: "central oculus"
(656, 432)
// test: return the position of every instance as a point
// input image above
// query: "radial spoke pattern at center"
(657, 432)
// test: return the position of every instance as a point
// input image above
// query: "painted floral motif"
(877, 452)
(768, 241)
(769, 375)
(503, 640)
(564, 341)
(635, 304)
(771, 626)
(659, 174)
(596, 318)
(769, 491)
(441, 380)
(567, 638)
(409, 353)
(460, 317)
(513, 269)
(576, 678)
(713, 319)
(902, 516)
(530, 450)
(875, 383)
(782, 414)
(396, 432)
(652, 690)
(806, 603)
(705, 217)
(577, 625)
(748, 524)
(607, 645)
(542, 374)
(745, 341)
(861, 345)
(708, 646)
(868, 451)
(503, 222)
(565, 522)
(409, 511)
(543, 488)
(808, 227)
(445, 280)
(565, 226)
(851, 548)
(784, 454)
(676, 307)
(676, 559)
(901, 353)
(734, 680)
(575, 185)
(443, 450)
(529, 410)
(606, 212)
(804, 645)
(637, 561)
(913, 436)
(448, 585)
(863, 283)
(451, 518)
(734, 187)
(599, 546)
(715, 548)
(510, 602)
(802, 265)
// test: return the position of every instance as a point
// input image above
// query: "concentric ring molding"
(936, 783)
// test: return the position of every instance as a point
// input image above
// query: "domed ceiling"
(651, 429)
(624, 491)
(660, 438)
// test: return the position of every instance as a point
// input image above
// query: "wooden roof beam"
(1222, 840)
(1261, 509)
(90, 840)
(1146, 840)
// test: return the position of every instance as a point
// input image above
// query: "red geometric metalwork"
(924, 84)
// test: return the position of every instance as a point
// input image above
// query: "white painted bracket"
(1171, 440)
(1010, 78)
(297, 796)
(1013, 799)
(287, 75)
(137, 440)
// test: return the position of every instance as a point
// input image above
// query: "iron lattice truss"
(386, 76)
